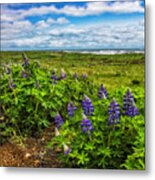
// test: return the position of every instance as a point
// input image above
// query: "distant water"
(106, 51)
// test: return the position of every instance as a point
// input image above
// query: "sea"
(101, 51)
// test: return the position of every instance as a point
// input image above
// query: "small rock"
(27, 155)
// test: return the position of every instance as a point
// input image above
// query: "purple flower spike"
(14, 85)
(114, 113)
(129, 105)
(87, 106)
(54, 77)
(71, 108)
(11, 85)
(25, 59)
(132, 111)
(58, 120)
(102, 92)
(24, 74)
(86, 125)
(84, 76)
(62, 74)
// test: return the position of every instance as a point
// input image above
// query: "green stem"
(14, 93)
(109, 139)
(36, 108)
(90, 138)
(113, 127)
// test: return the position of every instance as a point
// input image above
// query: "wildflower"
(54, 77)
(11, 84)
(114, 113)
(67, 150)
(86, 125)
(129, 105)
(75, 75)
(25, 59)
(24, 74)
(62, 74)
(84, 76)
(71, 108)
(56, 132)
(102, 92)
(58, 120)
(132, 111)
(87, 106)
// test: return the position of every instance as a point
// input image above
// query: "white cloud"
(24, 28)
(16, 29)
(62, 20)
(122, 35)
(42, 24)
(69, 30)
(60, 33)
(26, 42)
(91, 8)
(95, 8)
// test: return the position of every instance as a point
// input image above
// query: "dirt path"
(32, 154)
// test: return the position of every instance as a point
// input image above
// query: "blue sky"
(73, 25)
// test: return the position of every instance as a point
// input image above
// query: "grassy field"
(112, 70)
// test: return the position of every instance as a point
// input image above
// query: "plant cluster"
(95, 128)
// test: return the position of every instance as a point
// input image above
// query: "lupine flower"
(11, 84)
(58, 120)
(129, 105)
(54, 77)
(87, 106)
(67, 150)
(71, 108)
(114, 113)
(62, 74)
(132, 111)
(102, 92)
(86, 125)
(25, 59)
(24, 74)
(75, 75)
(84, 76)
(56, 132)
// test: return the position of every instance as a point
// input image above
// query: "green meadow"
(111, 70)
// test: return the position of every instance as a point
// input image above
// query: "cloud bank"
(57, 27)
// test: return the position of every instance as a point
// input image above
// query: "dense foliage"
(95, 127)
